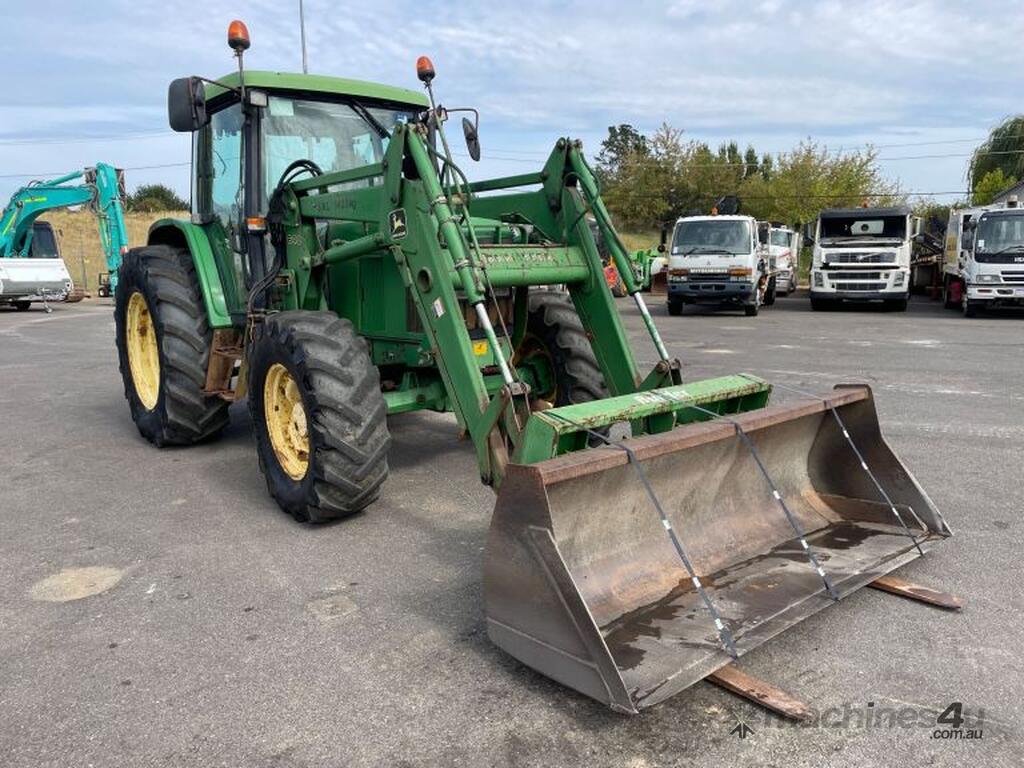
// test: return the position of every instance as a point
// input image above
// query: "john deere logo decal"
(396, 220)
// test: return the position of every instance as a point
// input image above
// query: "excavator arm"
(101, 189)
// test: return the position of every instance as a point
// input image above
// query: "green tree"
(622, 144)
(990, 185)
(1004, 149)
(750, 164)
(150, 198)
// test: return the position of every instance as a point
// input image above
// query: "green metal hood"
(321, 84)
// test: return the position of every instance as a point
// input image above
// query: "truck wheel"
(555, 335)
(769, 296)
(675, 308)
(897, 305)
(970, 308)
(22, 306)
(163, 347)
(821, 305)
(319, 415)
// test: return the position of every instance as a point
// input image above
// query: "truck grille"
(862, 257)
(1013, 276)
(707, 277)
(854, 275)
(860, 286)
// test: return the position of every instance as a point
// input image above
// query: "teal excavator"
(30, 265)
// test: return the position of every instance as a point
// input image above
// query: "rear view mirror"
(186, 105)
(469, 130)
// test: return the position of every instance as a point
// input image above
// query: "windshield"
(864, 227)
(44, 245)
(780, 237)
(1000, 233)
(334, 136)
(693, 238)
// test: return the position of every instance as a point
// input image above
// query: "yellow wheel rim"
(143, 351)
(286, 421)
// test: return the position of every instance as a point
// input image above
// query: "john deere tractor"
(339, 269)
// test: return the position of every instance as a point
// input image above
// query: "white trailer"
(983, 263)
(39, 276)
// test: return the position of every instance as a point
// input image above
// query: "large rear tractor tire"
(163, 347)
(555, 338)
(319, 415)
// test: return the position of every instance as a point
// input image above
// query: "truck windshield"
(779, 237)
(693, 238)
(333, 135)
(864, 227)
(998, 235)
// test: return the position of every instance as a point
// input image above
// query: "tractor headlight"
(988, 279)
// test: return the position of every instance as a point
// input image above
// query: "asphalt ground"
(223, 633)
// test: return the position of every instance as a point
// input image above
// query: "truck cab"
(983, 264)
(782, 246)
(717, 261)
(863, 255)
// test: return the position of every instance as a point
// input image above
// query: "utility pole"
(302, 33)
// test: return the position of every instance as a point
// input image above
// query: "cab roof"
(339, 86)
(717, 217)
(845, 213)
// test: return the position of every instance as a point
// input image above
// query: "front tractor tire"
(163, 347)
(319, 415)
(555, 339)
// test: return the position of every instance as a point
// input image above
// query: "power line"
(61, 173)
(85, 139)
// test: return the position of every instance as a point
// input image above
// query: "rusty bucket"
(583, 583)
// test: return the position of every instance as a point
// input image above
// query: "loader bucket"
(583, 583)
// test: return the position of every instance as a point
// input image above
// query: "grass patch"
(638, 241)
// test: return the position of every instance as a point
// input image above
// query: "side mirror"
(808, 235)
(186, 105)
(469, 130)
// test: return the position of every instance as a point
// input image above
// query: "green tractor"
(339, 269)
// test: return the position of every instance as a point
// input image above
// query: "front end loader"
(339, 269)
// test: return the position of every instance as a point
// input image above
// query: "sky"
(923, 82)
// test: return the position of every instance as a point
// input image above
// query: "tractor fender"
(192, 237)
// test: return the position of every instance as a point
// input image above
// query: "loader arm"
(405, 212)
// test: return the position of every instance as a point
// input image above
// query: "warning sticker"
(480, 348)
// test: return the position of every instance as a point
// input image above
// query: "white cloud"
(769, 72)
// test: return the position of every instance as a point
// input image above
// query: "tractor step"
(225, 354)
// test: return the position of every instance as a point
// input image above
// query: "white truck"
(716, 260)
(39, 276)
(782, 246)
(862, 255)
(983, 264)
